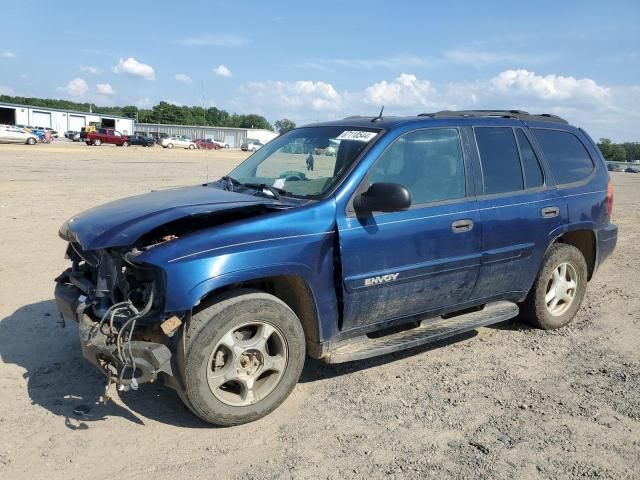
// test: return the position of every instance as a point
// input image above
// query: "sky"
(314, 61)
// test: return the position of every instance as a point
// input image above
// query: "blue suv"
(339, 241)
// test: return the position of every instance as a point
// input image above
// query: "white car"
(11, 134)
(179, 141)
(221, 143)
(251, 145)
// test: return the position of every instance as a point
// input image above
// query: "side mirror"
(383, 197)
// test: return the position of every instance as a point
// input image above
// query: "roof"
(65, 110)
(467, 115)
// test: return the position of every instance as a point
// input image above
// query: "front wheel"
(31, 141)
(97, 142)
(191, 147)
(170, 145)
(242, 356)
(125, 144)
(559, 289)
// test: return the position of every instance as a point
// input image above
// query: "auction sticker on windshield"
(356, 135)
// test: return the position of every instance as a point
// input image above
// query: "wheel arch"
(293, 290)
(584, 239)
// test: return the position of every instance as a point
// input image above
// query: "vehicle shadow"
(59, 379)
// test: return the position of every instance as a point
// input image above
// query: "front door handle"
(550, 212)
(461, 226)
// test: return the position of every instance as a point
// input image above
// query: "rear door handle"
(461, 226)
(550, 212)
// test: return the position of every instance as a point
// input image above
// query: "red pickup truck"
(106, 135)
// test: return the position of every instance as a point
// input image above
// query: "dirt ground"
(503, 402)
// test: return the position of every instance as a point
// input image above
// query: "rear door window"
(568, 158)
(501, 169)
(530, 165)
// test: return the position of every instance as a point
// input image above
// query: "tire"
(206, 337)
(88, 143)
(226, 146)
(191, 147)
(539, 312)
(31, 141)
(97, 142)
(169, 145)
(125, 144)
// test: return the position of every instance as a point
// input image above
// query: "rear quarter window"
(568, 158)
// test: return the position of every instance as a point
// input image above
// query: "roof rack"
(519, 114)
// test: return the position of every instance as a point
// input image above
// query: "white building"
(59, 119)
(234, 137)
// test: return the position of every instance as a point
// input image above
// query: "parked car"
(37, 132)
(222, 290)
(106, 135)
(251, 146)
(142, 140)
(630, 170)
(72, 135)
(178, 141)
(207, 144)
(11, 134)
(221, 143)
(54, 133)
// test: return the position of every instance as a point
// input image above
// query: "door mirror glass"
(383, 197)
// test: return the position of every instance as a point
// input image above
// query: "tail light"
(609, 198)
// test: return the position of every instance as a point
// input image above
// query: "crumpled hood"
(121, 223)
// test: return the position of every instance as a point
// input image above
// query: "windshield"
(305, 162)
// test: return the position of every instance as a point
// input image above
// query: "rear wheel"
(191, 147)
(97, 142)
(125, 144)
(242, 357)
(559, 289)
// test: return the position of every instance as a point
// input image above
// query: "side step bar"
(430, 330)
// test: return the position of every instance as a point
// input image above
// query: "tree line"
(619, 152)
(163, 112)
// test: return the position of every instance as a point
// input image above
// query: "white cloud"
(181, 77)
(7, 54)
(133, 67)
(404, 91)
(604, 111)
(548, 87)
(215, 40)
(4, 90)
(104, 89)
(222, 71)
(89, 69)
(77, 87)
(300, 95)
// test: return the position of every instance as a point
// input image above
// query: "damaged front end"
(118, 304)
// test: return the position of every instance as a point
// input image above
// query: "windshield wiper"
(275, 192)
(230, 182)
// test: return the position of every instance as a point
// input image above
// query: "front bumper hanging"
(150, 358)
